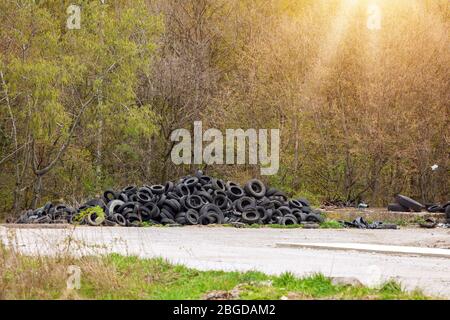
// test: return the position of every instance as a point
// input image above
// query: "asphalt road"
(226, 248)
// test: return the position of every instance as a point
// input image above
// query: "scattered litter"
(363, 205)
(406, 204)
(360, 223)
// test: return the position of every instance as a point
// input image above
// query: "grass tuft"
(119, 277)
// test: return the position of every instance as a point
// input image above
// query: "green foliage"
(163, 280)
(351, 126)
(97, 211)
(51, 73)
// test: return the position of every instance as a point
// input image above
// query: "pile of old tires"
(193, 200)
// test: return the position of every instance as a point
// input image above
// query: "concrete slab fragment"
(421, 251)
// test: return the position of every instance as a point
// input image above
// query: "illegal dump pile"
(406, 204)
(198, 199)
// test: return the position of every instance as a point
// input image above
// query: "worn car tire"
(409, 203)
(289, 219)
(251, 216)
(255, 188)
(314, 217)
(113, 206)
(395, 207)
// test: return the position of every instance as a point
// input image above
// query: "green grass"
(331, 224)
(118, 277)
(281, 226)
(158, 279)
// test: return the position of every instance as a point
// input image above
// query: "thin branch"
(40, 172)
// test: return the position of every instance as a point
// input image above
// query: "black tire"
(244, 203)
(154, 210)
(251, 216)
(73, 219)
(109, 223)
(173, 204)
(194, 202)
(205, 196)
(276, 201)
(157, 189)
(147, 190)
(204, 180)
(167, 221)
(295, 204)
(181, 218)
(306, 209)
(304, 202)
(263, 214)
(109, 195)
(222, 202)
(215, 218)
(122, 197)
(161, 200)
(43, 219)
(203, 220)
(409, 203)
(144, 212)
(219, 193)
(174, 195)
(94, 220)
(191, 217)
(134, 220)
(143, 197)
(285, 210)
(113, 206)
(210, 207)
(168, 186)
(130, 189)
(447, 213)
(395, 207)
(446, 205)
(314, 217)
(218, 184)
(434, 208)
(120, 219)
(182, 190)
(191, 182)
(47, 207)
(126, 206)
(281, 195)
(235, 192)
(302, 217)
(255, 188)
(289, 219)
(167, 214)
(265, 202)
(270, 192)
(230, 184)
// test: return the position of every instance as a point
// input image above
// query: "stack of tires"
(193, 200)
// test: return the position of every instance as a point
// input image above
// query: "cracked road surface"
(227, 248)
